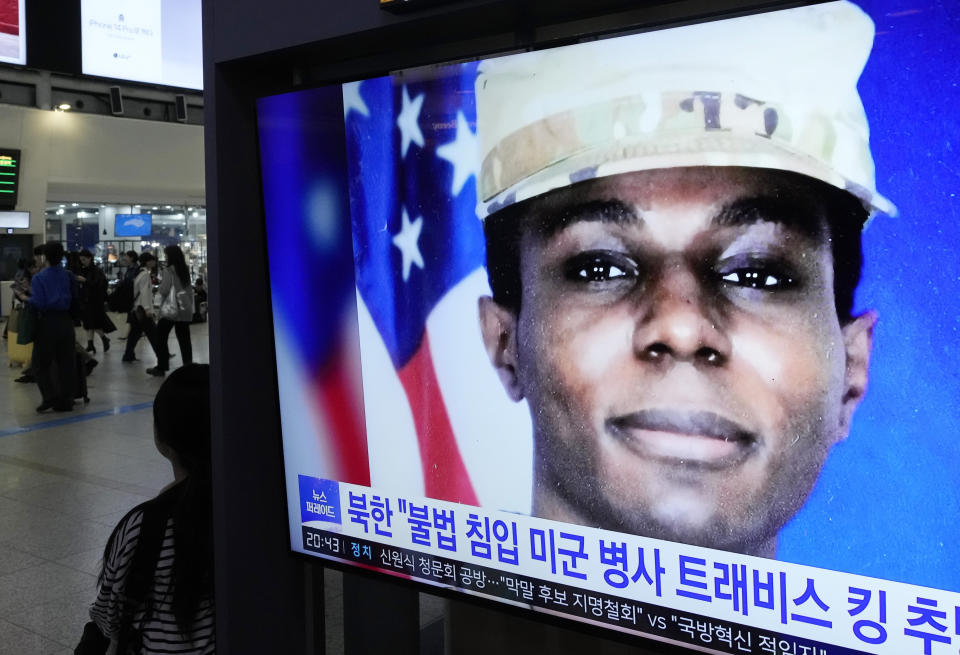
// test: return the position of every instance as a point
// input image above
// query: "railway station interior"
(191, 159)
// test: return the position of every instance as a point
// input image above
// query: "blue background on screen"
(133, 225)
(306, 204)
(319, 499)
(888, 501)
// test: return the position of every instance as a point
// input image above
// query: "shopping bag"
(27, 325)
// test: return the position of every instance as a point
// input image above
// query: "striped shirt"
(159, 630)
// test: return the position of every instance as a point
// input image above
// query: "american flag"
(309, 246)
(412, 153)
(433, 419)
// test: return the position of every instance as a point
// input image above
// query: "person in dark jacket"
(93, 295)
(52, 292)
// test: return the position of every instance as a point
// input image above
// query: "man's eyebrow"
(616, 211)
(795, 212)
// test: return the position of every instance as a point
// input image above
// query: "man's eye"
(758, 278)
(600, 267)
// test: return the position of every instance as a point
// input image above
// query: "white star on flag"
(352, 100)
(462, 153)
(408, 122)
(406, 240)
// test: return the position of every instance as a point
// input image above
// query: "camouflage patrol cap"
(774, 91)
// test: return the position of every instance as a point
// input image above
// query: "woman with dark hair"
(176, 311)
(156, 586)
(93, 296)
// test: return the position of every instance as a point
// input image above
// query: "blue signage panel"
(319, 499)
(133, 225)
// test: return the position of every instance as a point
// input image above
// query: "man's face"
(680, 351)
(85, 261)
(124, 261)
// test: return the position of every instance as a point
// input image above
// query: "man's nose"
(678, 320)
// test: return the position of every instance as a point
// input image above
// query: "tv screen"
(655, 332)
(133, 225)
(13, 32)
(156, 42)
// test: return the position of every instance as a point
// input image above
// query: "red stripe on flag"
(444, 474)
(342, 406)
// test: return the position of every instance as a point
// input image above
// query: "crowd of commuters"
(155, 591)
(65, 298)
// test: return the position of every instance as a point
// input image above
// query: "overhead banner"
(656, 332)
(157, 42)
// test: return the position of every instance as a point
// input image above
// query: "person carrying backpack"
(141, 319)
(121, 300)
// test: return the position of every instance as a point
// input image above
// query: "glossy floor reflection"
(65, 480)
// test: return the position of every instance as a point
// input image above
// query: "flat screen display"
(133, 225)
(18, 220)
(10, 166)
(155, 42)
(656, 332)
(13, 32)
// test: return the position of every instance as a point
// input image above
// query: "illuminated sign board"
(14, 220)
(150, 42)
(638, 331)
(133, 225)
(9, 178)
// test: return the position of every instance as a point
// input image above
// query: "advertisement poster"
(13, 32)
(157, 42)
(657, 332)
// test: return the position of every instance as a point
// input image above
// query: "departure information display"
(9, 178)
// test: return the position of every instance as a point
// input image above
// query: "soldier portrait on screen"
(673, 246)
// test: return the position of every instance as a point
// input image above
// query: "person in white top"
(142, 319)
(176, 311)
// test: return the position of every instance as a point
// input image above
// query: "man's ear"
(498, 325)
(857, 342)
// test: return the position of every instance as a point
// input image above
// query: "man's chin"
(699, 529)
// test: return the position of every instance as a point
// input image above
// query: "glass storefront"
(107, 230)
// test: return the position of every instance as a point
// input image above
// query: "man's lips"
(697, 438)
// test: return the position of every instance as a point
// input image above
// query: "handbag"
(169, 309)
(108, 325)
(178, 304)
(92, 642)
(185, 304)
(27, 325)
(13, 321)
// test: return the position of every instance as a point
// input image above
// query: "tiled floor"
(65, 480)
